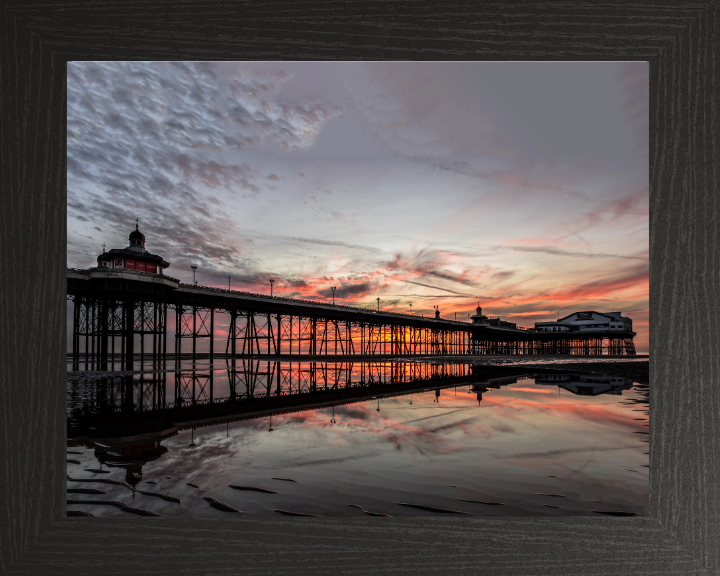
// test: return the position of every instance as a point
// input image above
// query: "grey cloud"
(427, 264)
(434, 287)
(503, 427)
(559, 252)
(182, 238)
(445, 275)
(634, 79)
(433, 296)
(147, 136)
(331, 243)
(500, 276)
(459, 166)
(345, 290)
(509, 122)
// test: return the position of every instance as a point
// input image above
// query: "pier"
(121, 313)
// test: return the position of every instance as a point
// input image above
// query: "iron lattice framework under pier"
(105, 328)
(126, 315)
(253, 334)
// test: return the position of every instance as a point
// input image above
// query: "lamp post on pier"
(271, 286)
(378, 299)
(194, 267)
(333, 288)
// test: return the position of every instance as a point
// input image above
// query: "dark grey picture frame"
(681, 41)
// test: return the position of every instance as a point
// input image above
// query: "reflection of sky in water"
(520, 440)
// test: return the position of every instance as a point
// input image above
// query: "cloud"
(503, 275)
(624, 282)
(433, 287)
(413, 110)
(146, 137)
(560, 252)
(346, 290)
(633, 77)
(332, 243)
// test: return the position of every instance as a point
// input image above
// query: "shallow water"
(541, 444)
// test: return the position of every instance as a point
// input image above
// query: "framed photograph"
(346, 324)
(361, 316)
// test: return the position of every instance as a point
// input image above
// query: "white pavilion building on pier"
(588, 322)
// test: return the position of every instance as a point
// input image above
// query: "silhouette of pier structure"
(121, 306)
(124, 314)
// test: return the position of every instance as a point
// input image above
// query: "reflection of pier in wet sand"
(121, 420)
(147, 407)
(170, 401)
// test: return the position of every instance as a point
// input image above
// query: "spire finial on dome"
(136, 222)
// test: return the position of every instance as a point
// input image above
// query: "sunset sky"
(519, 186)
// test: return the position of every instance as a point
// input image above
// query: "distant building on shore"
(586, 322)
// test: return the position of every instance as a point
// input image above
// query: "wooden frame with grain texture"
(681, 41)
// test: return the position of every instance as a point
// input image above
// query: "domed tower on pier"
(133, 257)
(137, 240)
(479, 316)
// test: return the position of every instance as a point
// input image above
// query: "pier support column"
(212, 339)
(313, 336)
(194, 334)
(278, 340)
(129, 333)
(164, 340)
(103, 310)
(76, 332)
